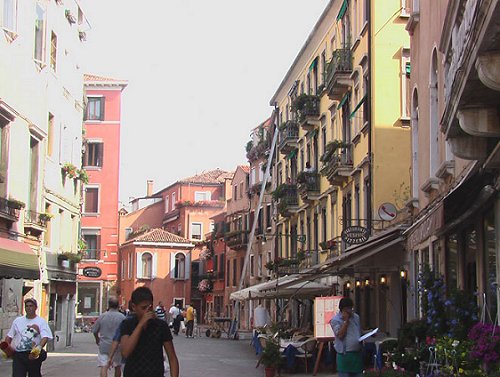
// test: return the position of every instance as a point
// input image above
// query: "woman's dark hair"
(345, 302)
(141, 294)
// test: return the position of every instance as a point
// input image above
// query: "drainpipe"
(370, 122)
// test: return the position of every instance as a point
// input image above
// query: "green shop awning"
(357, 107)
(17, 260)
(343, 9)
(344, 100)
(312, 133)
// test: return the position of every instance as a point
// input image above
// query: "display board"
(324, 309)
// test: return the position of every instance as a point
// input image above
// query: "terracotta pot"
(270, 371)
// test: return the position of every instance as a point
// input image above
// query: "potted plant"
(44, 217)
(16, 204)
(82, 176)
(69, 170)
(271, 358)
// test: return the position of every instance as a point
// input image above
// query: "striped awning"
(17, 260)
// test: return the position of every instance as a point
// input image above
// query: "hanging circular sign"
(354, 235)
(92, 272)
(387, 211)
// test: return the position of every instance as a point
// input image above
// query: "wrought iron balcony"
(35, 222)
(8, 210)
(308, 185)
(306, 107)
(338, 167)
(288, 200)
(338, 73)
(288, 136)
(91, 254)
(237, 239)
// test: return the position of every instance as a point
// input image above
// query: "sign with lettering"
(355, 235)
(92, 272)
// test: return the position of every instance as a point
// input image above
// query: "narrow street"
(198, 357)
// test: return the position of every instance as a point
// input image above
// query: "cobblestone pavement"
(202, 356)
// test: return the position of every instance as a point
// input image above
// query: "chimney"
(149, 191)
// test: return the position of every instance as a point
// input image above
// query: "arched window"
(433, 116)
(180, 266)
(147, 265)
(414, 143)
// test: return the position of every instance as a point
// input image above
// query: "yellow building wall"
(391, 137)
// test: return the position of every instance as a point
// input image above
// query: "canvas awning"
(247, 293)
(17, 260)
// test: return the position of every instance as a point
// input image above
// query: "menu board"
(324, 309)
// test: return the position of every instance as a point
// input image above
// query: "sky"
(200, 77)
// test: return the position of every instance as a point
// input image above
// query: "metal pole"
(256, 216)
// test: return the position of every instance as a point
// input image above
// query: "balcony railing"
(288, 200)
(339, 166)
(8, 211)
(337, 73)
(91, 254)
(237, 239)
(306, 107)
(35, 218)
(288, 136)
(308, 184)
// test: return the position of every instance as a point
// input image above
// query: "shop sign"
(355, 235)
(92, 272)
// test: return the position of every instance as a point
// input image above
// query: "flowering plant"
(69, 170)
(206, 254)
(205, 285)
(486, 343)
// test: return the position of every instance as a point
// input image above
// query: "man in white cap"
(28, 335)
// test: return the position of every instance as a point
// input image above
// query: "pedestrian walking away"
(346, 326)
(144, 338)
(104, 330)
(27, 336)
(160, 311)
(177, 317)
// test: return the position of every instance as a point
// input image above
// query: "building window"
(92, 200)
(259, 266)
(180, 266)
(147, 266)
(235, 191)
(166, 204)
(405, 84)
(196, 231)
(268, 216)
(252, 177)
(252, 265)
(202, 196)
(128, 232)
(130, 266)
(92, 244)
(174, 200)
(9, 19)
(414, 144)
(95, 108)
(235, 265)
(39, 52)
(228, 269)
(53, 51)
(434, 115)
(241, 190)
(93, 154)
(123, 268)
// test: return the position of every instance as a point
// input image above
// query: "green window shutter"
(357, 107)
(343, 9)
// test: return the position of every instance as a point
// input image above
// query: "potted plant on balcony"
(44, 217)
(16, 204)
(69, 170)
(82, 176)
(271, 358)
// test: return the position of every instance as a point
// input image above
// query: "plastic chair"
(381, 351)
(262, 339)
(308, 348)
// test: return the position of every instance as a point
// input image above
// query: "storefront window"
(452, 261)
(491, 264)
(436, 256)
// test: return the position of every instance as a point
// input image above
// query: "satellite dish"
(387, 211)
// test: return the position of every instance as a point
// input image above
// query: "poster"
(324, 309)
(87, 302)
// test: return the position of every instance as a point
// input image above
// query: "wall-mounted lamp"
(403, 274)
(367, 282)
(383, 280)
(348, 284)
(358, 283)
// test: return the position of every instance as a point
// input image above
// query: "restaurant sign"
(92, 272)
(355, 235)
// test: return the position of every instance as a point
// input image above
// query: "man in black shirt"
(143, 339)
